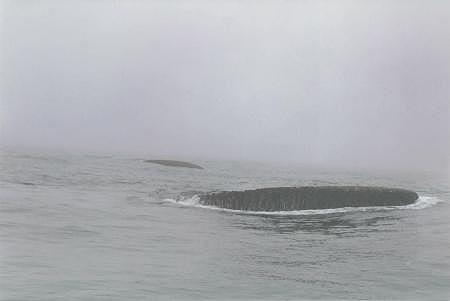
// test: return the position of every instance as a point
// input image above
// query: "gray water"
(89, 227)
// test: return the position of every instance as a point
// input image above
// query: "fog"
(327, 83)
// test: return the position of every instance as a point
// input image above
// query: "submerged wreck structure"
(308, 198)
(174, 163)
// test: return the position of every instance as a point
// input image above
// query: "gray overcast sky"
(357, 83)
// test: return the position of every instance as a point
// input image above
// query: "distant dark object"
(27, 183)
(174, 163)
(309, 197)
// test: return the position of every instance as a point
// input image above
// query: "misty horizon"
(361, 85)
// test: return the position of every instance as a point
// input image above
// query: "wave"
(421, 203)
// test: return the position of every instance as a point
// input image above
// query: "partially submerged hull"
(309, 197)
(173, 163)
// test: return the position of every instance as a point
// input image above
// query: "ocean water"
(92, 227)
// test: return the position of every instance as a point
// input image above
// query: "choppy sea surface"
(94, 227)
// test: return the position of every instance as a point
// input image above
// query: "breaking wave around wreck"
(421, 203)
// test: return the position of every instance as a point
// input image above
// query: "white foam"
(421, 203)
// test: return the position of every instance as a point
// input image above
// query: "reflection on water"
(338, 224)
